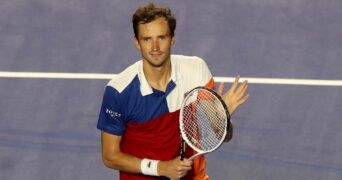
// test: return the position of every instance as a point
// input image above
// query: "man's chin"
(157, 64)
(157, 61)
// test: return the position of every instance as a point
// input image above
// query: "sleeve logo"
(112, 113)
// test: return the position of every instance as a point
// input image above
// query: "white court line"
(313, 82)
(49, 75)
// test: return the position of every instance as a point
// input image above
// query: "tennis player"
(139, 114)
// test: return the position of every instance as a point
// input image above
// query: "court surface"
(290, 50)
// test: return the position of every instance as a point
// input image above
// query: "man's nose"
(155, 45)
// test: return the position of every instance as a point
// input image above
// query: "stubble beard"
(157, 63)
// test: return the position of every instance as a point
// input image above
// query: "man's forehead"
(158, 25)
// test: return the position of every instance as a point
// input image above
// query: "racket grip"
(182, 149)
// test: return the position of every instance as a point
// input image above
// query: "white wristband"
(149, 167)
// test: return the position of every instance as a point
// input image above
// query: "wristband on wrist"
(149, 167)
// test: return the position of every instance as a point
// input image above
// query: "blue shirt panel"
(118, 109)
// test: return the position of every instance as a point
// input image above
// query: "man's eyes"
(150, 39)
(146, 39)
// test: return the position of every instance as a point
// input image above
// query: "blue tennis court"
(286, 131)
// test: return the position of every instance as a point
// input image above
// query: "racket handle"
(182, 149)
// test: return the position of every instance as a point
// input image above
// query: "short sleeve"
(207, 78)
(111, 116)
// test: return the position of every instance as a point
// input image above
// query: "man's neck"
(158, 77)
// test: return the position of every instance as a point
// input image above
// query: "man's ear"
(136, 43)
(173, 40)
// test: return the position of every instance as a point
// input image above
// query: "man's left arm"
(234, 97)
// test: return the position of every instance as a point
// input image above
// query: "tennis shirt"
(146, 118)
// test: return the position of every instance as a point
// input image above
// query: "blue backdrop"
(286, 132)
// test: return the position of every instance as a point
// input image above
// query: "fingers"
(220, 88)
(242, 100)
(183, 168)
(187, 164)
(236, 95)
(235, 83)
(177, 168)
(184, 165)
(234, 86)
(241, 90)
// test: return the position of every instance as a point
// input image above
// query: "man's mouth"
(156, 54)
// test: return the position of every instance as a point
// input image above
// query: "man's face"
(154, 41)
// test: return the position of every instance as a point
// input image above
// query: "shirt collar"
(145, 87)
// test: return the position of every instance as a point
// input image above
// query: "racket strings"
(204, 121)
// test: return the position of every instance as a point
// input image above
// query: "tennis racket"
(203, 121)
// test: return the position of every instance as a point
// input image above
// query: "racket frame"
(181, 124)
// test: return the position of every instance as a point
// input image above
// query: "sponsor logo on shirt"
(112, 113)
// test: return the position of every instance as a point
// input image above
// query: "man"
(139, 114)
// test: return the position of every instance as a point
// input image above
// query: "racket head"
(204, 119)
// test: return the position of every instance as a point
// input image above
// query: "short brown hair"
(147, 13)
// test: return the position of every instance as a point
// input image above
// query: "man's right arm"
(114, 158)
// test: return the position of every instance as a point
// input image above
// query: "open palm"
(235, 96)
